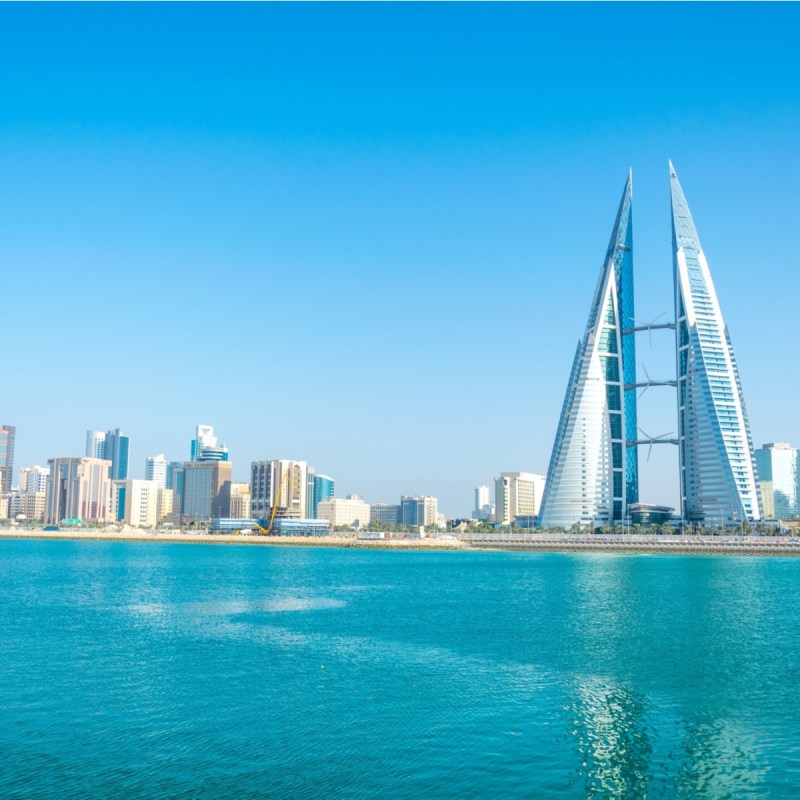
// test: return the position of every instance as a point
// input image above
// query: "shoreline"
(641, 544)
(226, 538)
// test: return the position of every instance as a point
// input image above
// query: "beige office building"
(79, 488)
(350, 510)
(239, 501)
(34, 505)
(165, 505)
(517, 494)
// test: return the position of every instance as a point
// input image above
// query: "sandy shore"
(569, 543)
(216, 538)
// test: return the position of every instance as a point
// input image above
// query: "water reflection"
(719, 760)
(612, 739)
(619, 737)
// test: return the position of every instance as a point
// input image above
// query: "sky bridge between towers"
(594, 468)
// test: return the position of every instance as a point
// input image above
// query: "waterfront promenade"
(635, 543)
(535, 542)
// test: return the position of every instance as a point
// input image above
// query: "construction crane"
(268, 530)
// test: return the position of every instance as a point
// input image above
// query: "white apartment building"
(95, 444)
(155, 469)
(350, 510)
(482, 503)
(33, 479)
(137, 503)
(517, 494)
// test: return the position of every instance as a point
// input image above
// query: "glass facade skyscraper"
(717, 469)
(592, 474)
(115, 450)
(7, 434)
(320, 487)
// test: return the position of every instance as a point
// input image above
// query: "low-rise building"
(301, 527)
(418, 511)
(350, 510)
(384, 514)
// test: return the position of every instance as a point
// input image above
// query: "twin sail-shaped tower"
(593, 477)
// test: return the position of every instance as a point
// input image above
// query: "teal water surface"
(138, 670)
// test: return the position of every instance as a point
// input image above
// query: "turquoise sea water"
(162, 670)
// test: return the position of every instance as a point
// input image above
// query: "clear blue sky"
(367, 235)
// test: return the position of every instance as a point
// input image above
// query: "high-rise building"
(79, 488)
(350, 510)
(155, 469)
(279, 482)
(174, 468)
(592, 474)
(137, 503)
(481, 500)
(320, 487)
(95, 444)
(203, 489)
(778, 470)
(484, 509)
(7, 434)
(204, 445)
(717, 470)
(418, 511)
(112, 446)
(33, 479)
(166, 505)
(116, 450)
(238, 495)
(518, 494)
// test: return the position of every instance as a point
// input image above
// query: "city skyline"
(360, 268)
